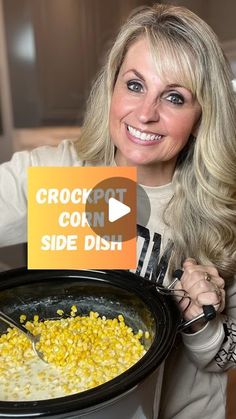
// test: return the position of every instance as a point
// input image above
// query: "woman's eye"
(175, 98)
(135, 86)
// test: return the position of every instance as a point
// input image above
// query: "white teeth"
(142, 135)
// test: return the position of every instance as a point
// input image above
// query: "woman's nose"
(148, 111)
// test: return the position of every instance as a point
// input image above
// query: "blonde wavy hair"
(185, 50)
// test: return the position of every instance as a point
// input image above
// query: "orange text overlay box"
(64, 232)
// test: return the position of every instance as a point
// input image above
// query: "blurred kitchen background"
(50, 51)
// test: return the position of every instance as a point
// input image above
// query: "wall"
(219, 14)
(6, 145)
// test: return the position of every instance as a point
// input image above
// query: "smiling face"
(150, 119)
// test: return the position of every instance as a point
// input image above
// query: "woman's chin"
(133, 159)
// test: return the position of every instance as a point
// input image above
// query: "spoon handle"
(18, 326)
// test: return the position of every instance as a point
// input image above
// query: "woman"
(164, 103)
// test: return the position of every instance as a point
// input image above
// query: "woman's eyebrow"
(179, 86)
(136, 73)
(175, 85)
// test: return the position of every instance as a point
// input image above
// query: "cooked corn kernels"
(82, 352)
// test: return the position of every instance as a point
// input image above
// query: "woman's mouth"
(143, 136)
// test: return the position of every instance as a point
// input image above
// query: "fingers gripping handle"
(209, 312)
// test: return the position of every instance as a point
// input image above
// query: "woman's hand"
(204, 286)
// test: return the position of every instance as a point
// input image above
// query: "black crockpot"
(110, 293)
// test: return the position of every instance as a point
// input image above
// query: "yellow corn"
(86, 350)
(147, 335)
(22, 318)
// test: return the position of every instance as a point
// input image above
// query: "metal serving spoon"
(34, 339)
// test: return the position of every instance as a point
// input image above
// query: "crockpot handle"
(209, 312)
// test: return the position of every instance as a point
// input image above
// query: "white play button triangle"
(117, 209)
